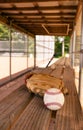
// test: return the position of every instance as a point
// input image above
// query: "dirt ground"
(18, 64)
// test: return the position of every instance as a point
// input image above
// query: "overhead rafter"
(37, 14)
(24, 1)
(6, 21)
(31, 14)
(41, 22)
(25, 19)
(36, 8)
(39, 11)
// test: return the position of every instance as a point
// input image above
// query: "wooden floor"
(21, 110)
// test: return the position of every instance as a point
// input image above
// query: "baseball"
(53, 99)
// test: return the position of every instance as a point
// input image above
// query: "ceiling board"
(36, 16)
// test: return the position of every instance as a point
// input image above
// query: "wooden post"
(81, 59)
(73, 48)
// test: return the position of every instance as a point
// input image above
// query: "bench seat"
(21, 110)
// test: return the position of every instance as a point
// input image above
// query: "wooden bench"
(34, 117)
(12, 106)
(70, 116)
(24, 111)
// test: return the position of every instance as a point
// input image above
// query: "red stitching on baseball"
(53, 103)
(53, 93)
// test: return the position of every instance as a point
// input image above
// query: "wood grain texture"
(20, 110)
(34, 117)
(12, 106)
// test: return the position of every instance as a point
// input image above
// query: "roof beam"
(6, 21)
(42, 22)
(39, 11)
(26, 1)
(40, 8)
(37, 14)
(38, 19)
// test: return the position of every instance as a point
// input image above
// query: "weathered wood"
(12, 106)
(59, 62)
(68, 118)
(10, 87)
(46, 71)
(67, 62)
(37, 70)
(22, 111)
(34, 117)
(57, 72)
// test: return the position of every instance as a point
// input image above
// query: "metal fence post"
(10, 38)
(35, 52)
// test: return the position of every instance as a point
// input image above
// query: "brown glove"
(39, 83)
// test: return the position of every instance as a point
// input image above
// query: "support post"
(27, 49)
(73, 48)
(10, 47)
(71, 42)
(35, 52)
(81, 59)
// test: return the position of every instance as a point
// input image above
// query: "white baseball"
(53, 99)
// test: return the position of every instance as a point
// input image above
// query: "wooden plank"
(69, 74)
(67, 62)
(62, 62)
(52, 121)
(37, 70)
(10, 87)
(40, 8)
(26, 1)
(57, 72)
(12, 106)
(43, 70)
(46, 71)
(61, 118)
(58, 62)
(68, 117)
(34, 117)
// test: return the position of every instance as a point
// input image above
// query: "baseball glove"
(39, 83)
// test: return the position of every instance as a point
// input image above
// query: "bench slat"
(12, 106)
(34, 117)
(68, 117)
(57, 72)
